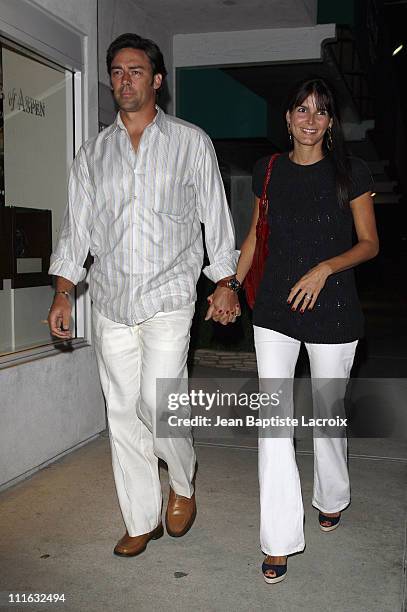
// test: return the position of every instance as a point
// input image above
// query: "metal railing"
(344, 53)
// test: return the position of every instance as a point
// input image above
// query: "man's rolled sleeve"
(214, 213)
(74, 236)
(67, 269)
(226, 266)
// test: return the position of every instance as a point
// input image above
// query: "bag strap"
(268, 175)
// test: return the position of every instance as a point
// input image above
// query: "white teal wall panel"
(251, 46)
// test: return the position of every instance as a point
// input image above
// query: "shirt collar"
(159, 120)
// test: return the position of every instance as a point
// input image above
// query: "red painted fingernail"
(292, 308)
(227, 312)
(220, 310)
(302, 311)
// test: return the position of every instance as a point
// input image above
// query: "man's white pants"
(281, 507)
(130, 359)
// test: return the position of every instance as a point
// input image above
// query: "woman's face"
(308, 124)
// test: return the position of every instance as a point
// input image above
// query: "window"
(36, 152)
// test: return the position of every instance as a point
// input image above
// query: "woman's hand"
(306, 291)
(224, 306)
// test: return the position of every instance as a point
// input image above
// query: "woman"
(307, 294)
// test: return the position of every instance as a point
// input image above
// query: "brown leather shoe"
(131, 546)
(180, 515)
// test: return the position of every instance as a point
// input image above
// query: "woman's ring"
(308, 297)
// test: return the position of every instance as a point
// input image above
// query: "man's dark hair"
(134, 41)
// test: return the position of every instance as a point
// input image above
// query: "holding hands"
(305, 292)
(224, 306)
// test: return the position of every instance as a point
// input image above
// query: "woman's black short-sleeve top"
(308, 226)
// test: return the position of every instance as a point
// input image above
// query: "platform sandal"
(334, 520)
(280, 571)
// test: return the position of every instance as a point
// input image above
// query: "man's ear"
(157, 81)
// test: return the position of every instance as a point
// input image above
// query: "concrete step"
(387, 198)
(384, 186)
(357, 131)
(378, 166)
(364, 149)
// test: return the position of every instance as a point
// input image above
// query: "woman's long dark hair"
(325, 100)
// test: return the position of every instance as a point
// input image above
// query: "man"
(137, 195)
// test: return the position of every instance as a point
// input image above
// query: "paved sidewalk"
(59, 527)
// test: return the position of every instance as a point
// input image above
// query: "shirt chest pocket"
(173, 194)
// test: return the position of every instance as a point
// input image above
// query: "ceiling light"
(399, 48)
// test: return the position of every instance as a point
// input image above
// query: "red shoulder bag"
(255, 274)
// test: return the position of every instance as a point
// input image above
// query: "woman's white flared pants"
(281, 507)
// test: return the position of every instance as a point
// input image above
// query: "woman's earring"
(329, 141)
(290, 136)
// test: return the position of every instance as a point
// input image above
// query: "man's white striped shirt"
(139, 214)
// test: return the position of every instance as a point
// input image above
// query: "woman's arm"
(248, 246)
(226, 316)
(367, 245)
(366, 248)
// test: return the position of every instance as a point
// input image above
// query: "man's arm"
(73, 246)
(214, 213)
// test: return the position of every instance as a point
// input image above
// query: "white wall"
(82, 15)
(251, 46)
(47, 408)
(50, 405)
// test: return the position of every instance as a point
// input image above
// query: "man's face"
(132, 80)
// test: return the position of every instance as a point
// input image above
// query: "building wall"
(51, 405)
(82, 15)
(251, 46)
(336, 12)
(240, 114)
(48, 407)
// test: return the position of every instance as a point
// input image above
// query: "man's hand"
(59, 317)
(224, 306)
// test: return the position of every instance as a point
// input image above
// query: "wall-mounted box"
(26, 239)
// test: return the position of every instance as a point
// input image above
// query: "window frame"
(53, 43)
